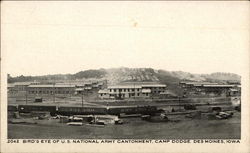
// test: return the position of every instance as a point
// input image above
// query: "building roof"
(200, 83)
(233, 90)
(103, 91)
(79, 85)
(233, 81)
(82, 89)
(88, 83)
(124, 86)
(10, 85)
(154, 85)
(137, 83)
(186, 82)
(52, 86)
(78, 89)
(22, 83)
(146, 91)
(218, 85)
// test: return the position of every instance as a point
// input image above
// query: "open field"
(134, 128)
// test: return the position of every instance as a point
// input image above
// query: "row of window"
(49, 92)
(157, 91)
(121, 90)
(128, 90)
(123, 95)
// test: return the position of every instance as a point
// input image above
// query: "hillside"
(222, 76)
(116, 75)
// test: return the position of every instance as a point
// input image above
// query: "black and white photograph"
(126, 71)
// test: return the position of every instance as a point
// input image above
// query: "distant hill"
(89, 74)
(222, 76)
(123, 74)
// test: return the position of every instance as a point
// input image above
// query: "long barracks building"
(51, 89)
(132, 91)
(55, 88)
(211, 89)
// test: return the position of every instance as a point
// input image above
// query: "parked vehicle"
(75, 123)
(224, 115)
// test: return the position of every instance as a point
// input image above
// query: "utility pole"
(70, 88)
(134, 89)
(26, 96)
(54, 91)
(179, 102)
(82, 97)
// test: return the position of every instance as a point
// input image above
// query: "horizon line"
(72, 73)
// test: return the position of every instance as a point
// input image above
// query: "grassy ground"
(134, 128)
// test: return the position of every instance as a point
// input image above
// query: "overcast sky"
(69, 36)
